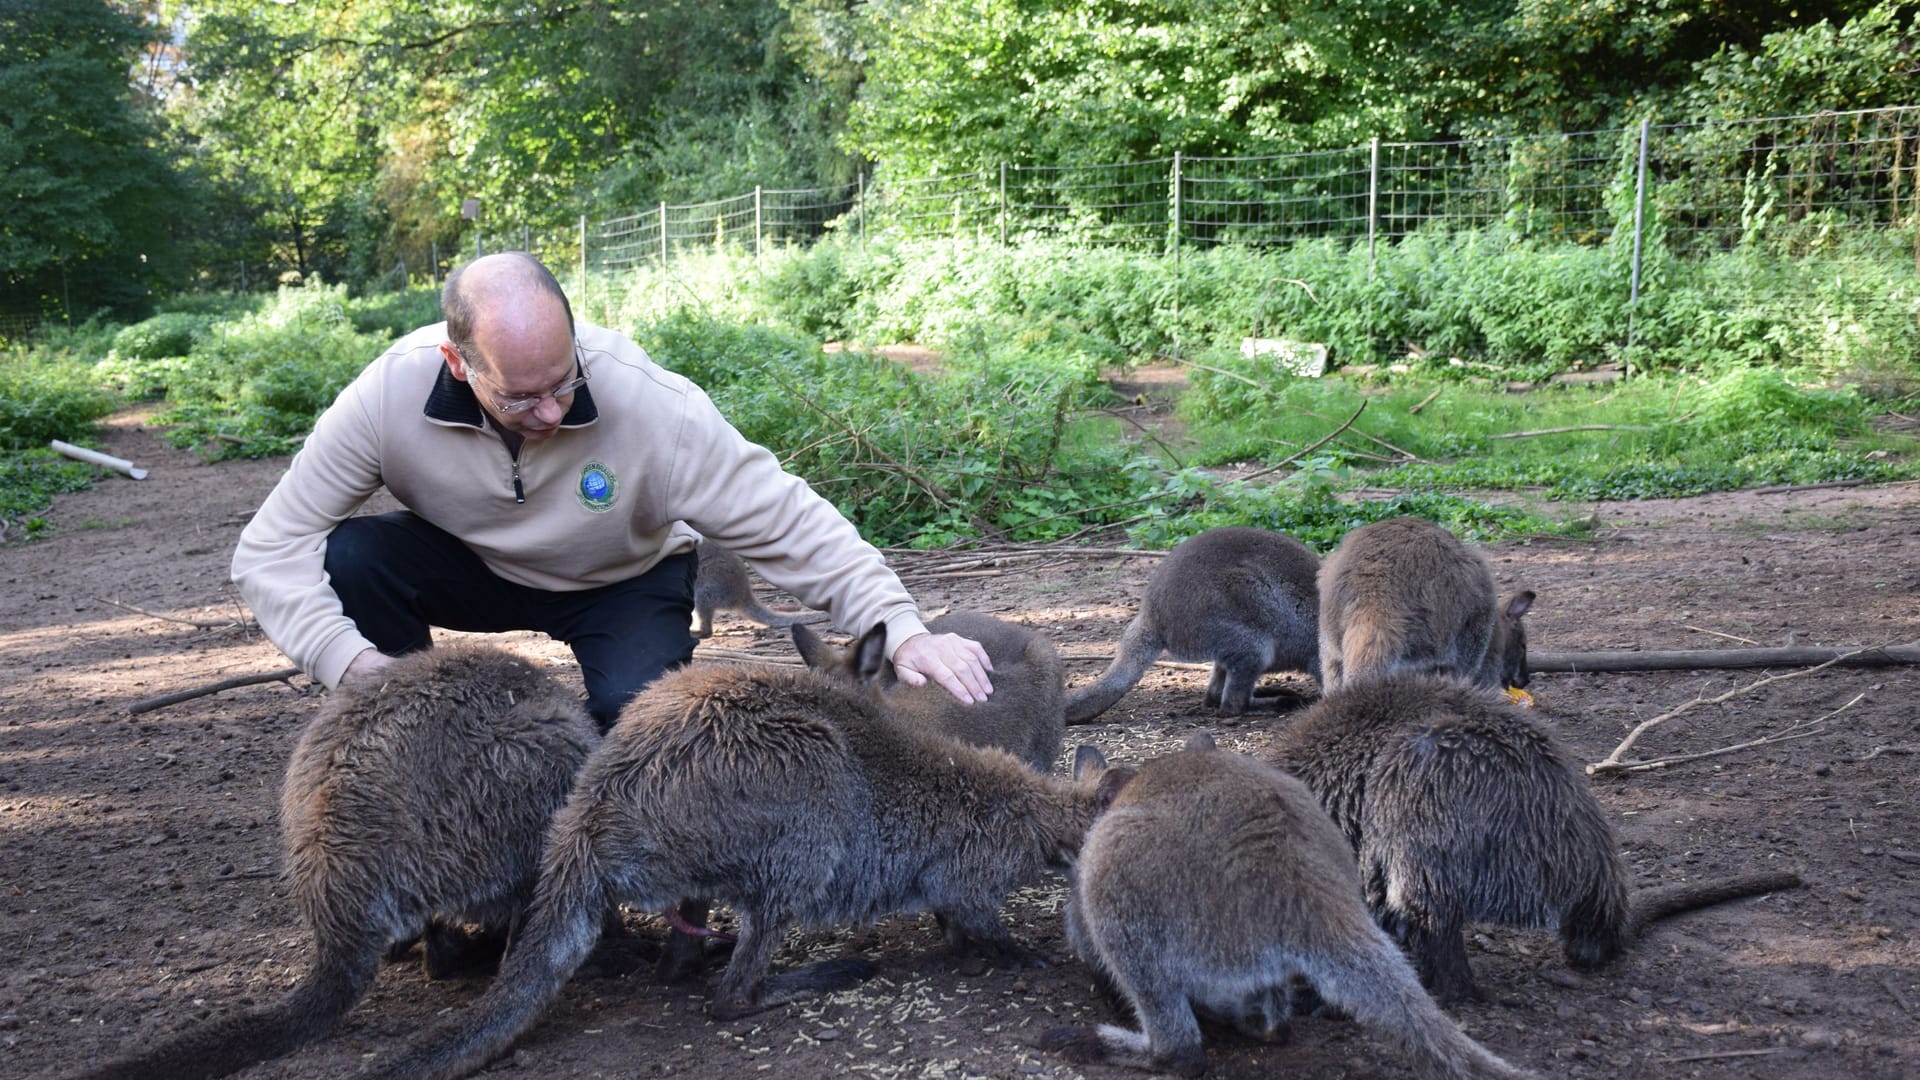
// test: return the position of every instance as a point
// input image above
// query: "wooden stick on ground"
(1718, 659)
(1798, 730)
(1612, 763)
(178, 696)
(202, 624)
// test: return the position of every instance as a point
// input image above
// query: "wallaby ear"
(1519, 603)
(810, 647)
(1088, 759)
(1200, 740)
(870, 657)
(1112, 783)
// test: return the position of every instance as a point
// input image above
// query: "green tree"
(85, 197)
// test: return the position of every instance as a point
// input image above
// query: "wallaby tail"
(1140, 646)
(561, 928)
(1375, 984)
(766, 616)
(340, 977)
(1652, 905)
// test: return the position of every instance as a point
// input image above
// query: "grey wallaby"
(420, 794)
(1462, 808)
(1210, 883)
(1241, 597)
(790, 797)
(721, 584)
(1405, 594)
(1023, 714)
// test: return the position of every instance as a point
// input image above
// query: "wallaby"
(1023, 714)
(721, 584)
(1241, 597)
(791, 798)
(1462, 808)
(1405, 594)
(422, 793)
(1209, 884)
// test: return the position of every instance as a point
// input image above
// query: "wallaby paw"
(1080, 1045)
(979, 957)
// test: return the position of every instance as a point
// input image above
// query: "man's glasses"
(520, 405)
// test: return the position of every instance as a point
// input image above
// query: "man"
(555, 479)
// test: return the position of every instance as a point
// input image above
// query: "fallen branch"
(1612, 763)
(1298, 454)
(1798, 730)
(200, 624)
(1175, 665)
(739, 656)
(1425, 401)
(1716, 633)
(1878, 750)
(1724, 659)
(1564, 430)
(164, 700)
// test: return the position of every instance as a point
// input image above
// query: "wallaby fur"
(1462, 808)
(721, 584)
(421, 793)
(789, 797)
(1405, 594)
(1241, 597)
(1213, 881)
(1023, 714)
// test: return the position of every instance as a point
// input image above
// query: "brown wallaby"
(1405, 594)
(721, 584)
(791, 798)
(1463, 808)
(1210, 883)
(1023, 714)
(421, 793)
(1241, 597)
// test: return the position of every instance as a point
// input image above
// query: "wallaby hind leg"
(1265, 1016)
(453, 951)
(747, 988)
(702, 626)
(983, 939)
(1438, 945)
(1230, 687)
(1593, 932)
(1169, 1039)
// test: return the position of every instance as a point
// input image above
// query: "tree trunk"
(1716, 659)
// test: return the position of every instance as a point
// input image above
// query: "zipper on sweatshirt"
(519, 492)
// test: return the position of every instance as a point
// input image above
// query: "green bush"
(394, 314)
(169, 334)
(42, 400)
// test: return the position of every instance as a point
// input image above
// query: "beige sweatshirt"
(643, 466)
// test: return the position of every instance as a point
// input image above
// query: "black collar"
(452, 402)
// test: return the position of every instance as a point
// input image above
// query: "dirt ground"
(140, 885)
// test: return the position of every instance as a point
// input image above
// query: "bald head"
(503, 304)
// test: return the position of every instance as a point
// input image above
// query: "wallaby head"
(415, 799)
(1211, 883)
(1242, 598)
(1463, 808)
(1023, 715)
(1403, 595)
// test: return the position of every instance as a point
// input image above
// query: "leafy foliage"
(42, 400)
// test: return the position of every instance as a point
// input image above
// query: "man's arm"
(280, 562)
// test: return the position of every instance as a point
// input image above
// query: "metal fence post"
(1003, 204)
(433, 269)
(1639, 223)
(1174, 241)
(756, 224)
(583, 251)
(663, 234)
(526, 238)
(1373, 197)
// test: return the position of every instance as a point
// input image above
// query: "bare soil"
(140, 886)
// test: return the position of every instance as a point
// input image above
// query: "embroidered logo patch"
(598, 487)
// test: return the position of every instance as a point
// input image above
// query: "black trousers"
(397, 575)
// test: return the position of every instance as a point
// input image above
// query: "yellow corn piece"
(1519, 697)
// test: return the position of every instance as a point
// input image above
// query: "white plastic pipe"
(81, 453)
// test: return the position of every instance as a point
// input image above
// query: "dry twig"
(175, 698)
(1612, 763)
(1798, 730)
(198, 624)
